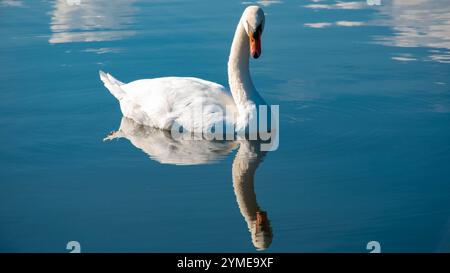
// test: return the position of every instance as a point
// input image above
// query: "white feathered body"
(190, 102)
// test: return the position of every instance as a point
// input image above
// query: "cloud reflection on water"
(414, 23)
(88, 21)
(264, 3)
(337, 5)
(417, 23)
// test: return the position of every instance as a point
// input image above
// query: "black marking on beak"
(258, 32)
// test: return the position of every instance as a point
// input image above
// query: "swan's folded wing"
(162, 101)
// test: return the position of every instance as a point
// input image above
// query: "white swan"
(163, 102)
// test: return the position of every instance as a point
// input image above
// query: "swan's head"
(253, 22)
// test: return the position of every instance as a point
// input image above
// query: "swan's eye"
(257, 32)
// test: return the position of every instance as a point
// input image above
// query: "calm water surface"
(364, 95)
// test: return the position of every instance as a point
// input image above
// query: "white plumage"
(195, 104)
(160, 102)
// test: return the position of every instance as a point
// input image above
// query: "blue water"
(364, 95)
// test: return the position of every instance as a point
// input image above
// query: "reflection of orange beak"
(255, 45)
(262, 222)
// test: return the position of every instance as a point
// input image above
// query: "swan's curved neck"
(239, 79)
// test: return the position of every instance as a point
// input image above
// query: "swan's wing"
(160, 102)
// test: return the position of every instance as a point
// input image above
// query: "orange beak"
(255, 44)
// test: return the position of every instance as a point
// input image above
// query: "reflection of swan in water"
(244, 167)
(160, 146)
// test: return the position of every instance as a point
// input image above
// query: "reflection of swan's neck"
(239, 79)
(244, 167)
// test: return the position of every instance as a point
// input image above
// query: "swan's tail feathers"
(112, 84)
